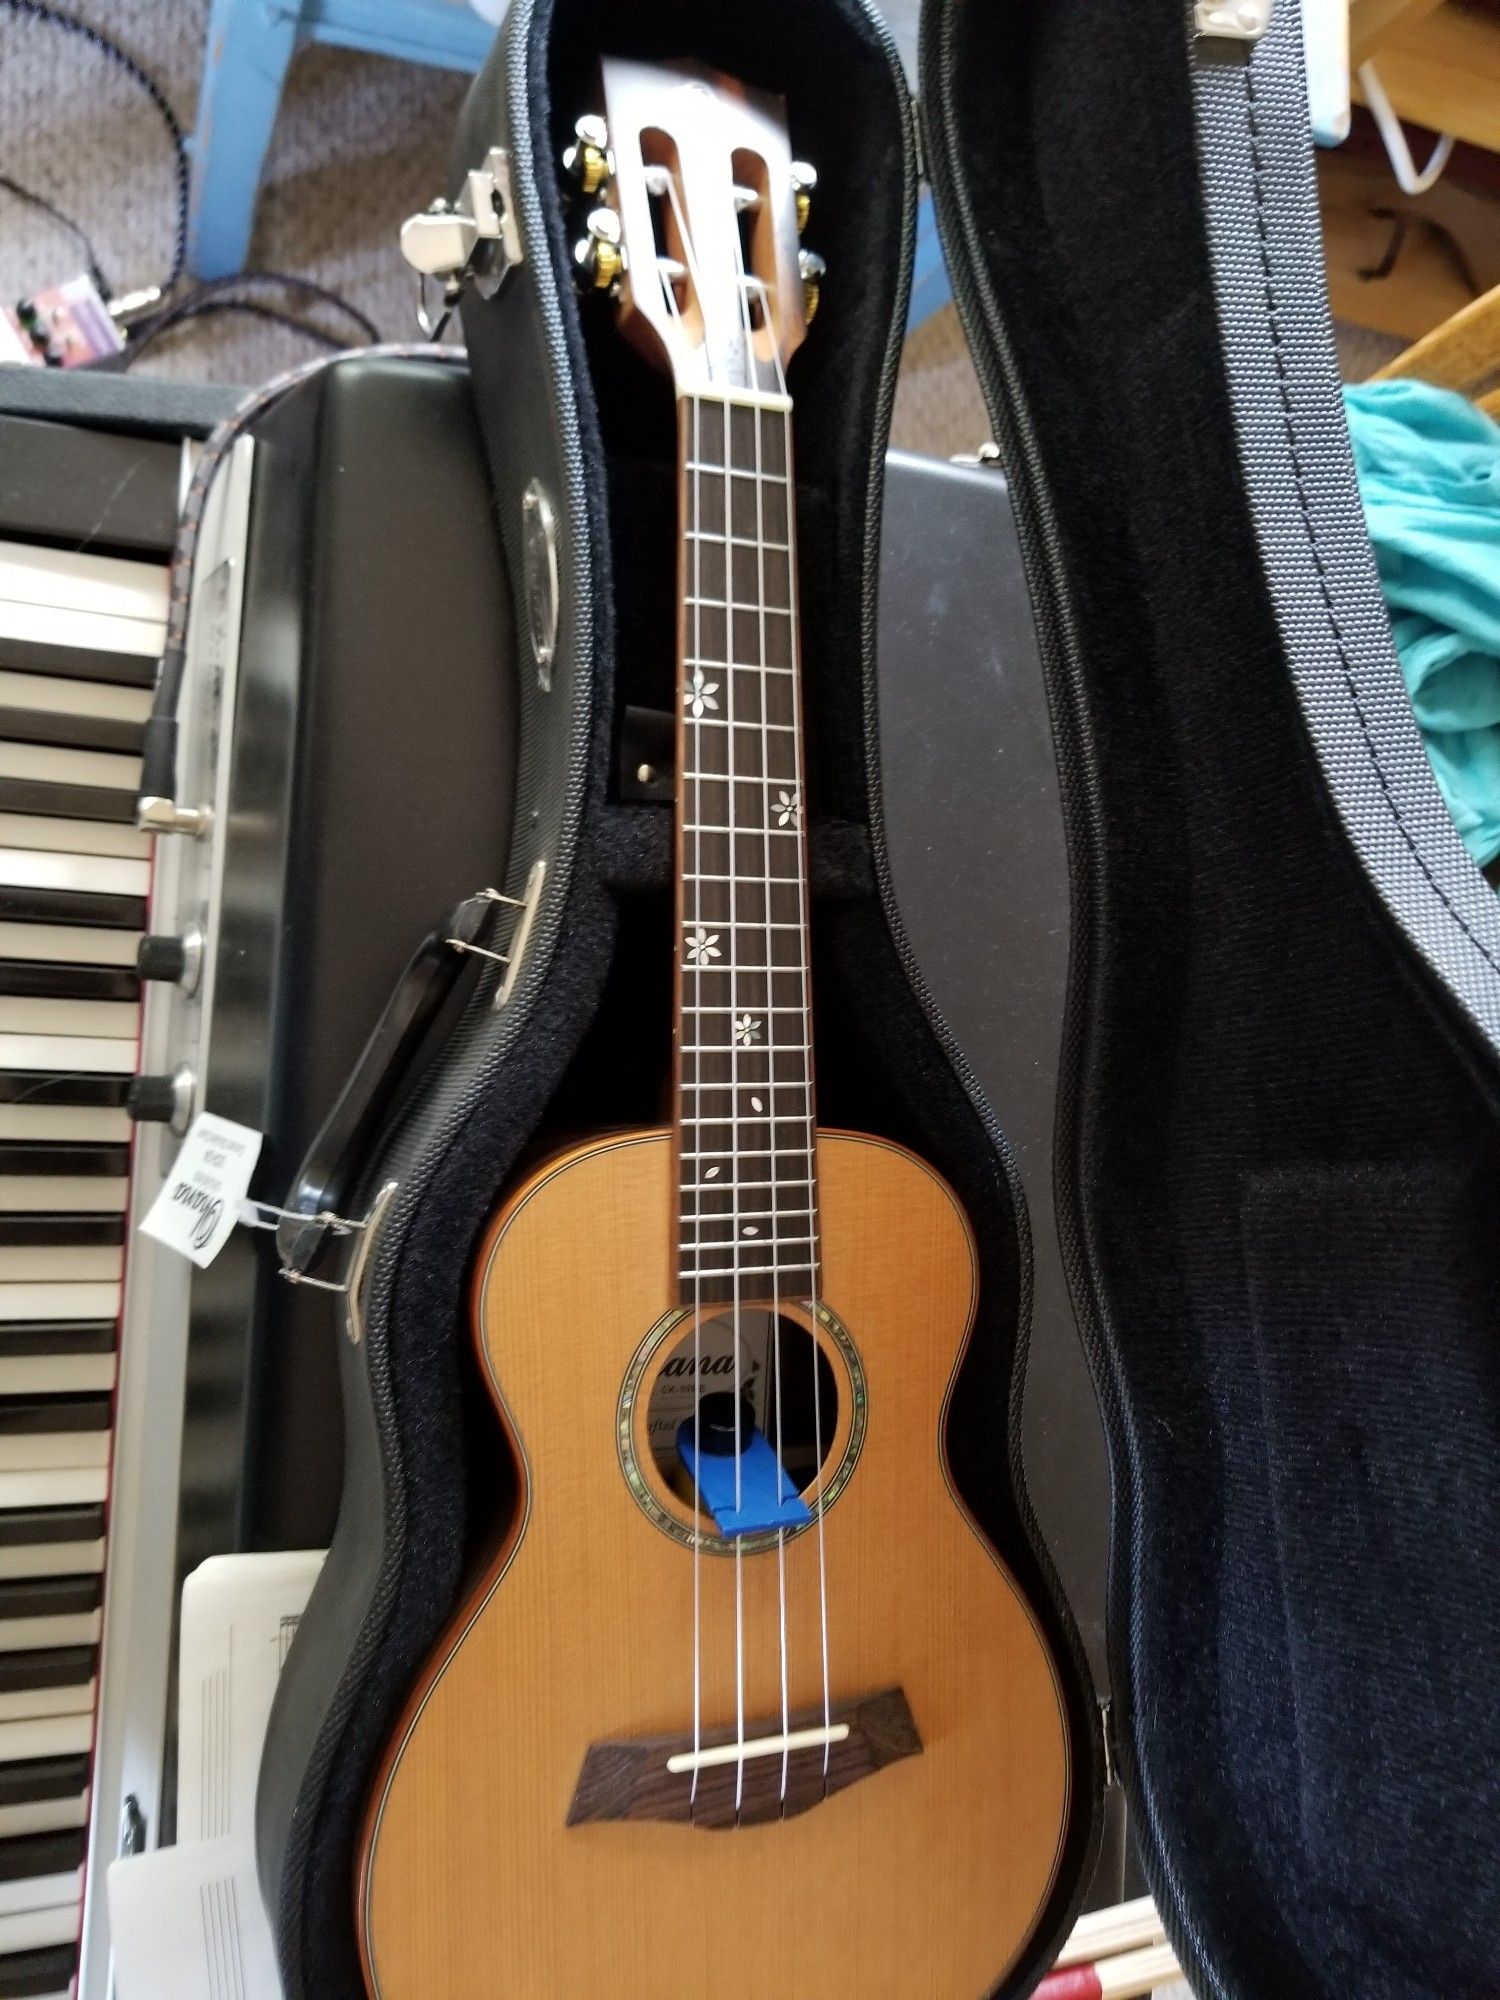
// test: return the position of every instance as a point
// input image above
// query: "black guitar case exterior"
(1276, 1114)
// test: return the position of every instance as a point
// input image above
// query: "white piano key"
(59, 1301)
(44, 1816)
(58, 1194)
(41, 1892)
(60, 1263)
(74, 836)
(35, 1930)
(92, 631)
(50, 1375)
(20, 1015)
(100, 1055)
(45, 1451)
(32, 1635)
(81, 1487)
(46, 764)
(48, 1703)
(51, 694)
(68, 944)
(107, 586)
(50, 1559)
(105, 1124)
(89, 874)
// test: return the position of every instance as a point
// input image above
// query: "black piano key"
(20, 1337)
(52, 1667)
(78, 663)
(109, 803)
(50, 1596)
(48, 1086)
(31, 1779)
(71, 732)
(72, 906)
(31, 1527)
(80, 1156)
(37, 979)
(62, 1232)
(28, 1975)
(42, 1854)
(49, 1416)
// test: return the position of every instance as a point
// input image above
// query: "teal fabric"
(1429, 477)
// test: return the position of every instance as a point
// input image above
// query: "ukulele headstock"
(692, 210)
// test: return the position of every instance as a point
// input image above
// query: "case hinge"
(1232, 20)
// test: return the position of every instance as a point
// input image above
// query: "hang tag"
(200, 1201)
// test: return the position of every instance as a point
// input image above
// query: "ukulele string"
(684, 237)
(691, 709)
(813, 1230)
(773, 1159)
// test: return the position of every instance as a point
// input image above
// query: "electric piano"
(151, 1414)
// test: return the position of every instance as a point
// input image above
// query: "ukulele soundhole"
(801, 1386)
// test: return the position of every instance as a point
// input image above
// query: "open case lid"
(1279, 1127)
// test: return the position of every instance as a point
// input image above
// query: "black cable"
(208, 296)
(29, 195)
(161, 323)
(42, 10)
(216, 296)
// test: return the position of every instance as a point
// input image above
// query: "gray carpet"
(360, 143)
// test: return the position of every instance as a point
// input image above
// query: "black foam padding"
(1280, 1142)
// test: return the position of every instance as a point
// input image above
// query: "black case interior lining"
(1284, 1143)
(880, 1066)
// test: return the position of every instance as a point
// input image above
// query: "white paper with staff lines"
(187, 1921)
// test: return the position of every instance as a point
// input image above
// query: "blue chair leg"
(250, 44)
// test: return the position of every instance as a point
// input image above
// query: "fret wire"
(753, 1187)
(738, 542)
(753, 1152)
(743, 722)
(740, 666)
(785, 1273)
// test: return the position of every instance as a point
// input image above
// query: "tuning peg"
(804, 185)
(598, 255)
(813, 270)
(586, 162)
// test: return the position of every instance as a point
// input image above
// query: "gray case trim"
(1265, 237)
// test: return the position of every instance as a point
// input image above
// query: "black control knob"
(160, 1100)
(176, 961)
(161, 958)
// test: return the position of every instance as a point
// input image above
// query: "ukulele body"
(923, 1877)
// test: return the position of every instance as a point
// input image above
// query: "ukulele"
(744, 1705)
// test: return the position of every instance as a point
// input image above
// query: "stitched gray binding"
(1265, 241)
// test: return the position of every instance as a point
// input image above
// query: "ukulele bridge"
(720, 1781)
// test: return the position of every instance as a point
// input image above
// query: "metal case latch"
(475, 239)
(1233, 20)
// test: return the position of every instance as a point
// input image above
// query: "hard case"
(1276, 1116)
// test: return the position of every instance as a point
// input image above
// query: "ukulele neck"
(744, 1124)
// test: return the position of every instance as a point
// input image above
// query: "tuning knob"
(161, 1100)
(177, 961)
(804, 184)
(813, 270)
(598, 255)
(586, 162)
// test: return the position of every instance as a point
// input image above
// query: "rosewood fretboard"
(747, 1208)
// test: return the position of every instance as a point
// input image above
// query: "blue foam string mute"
(768, 1499)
